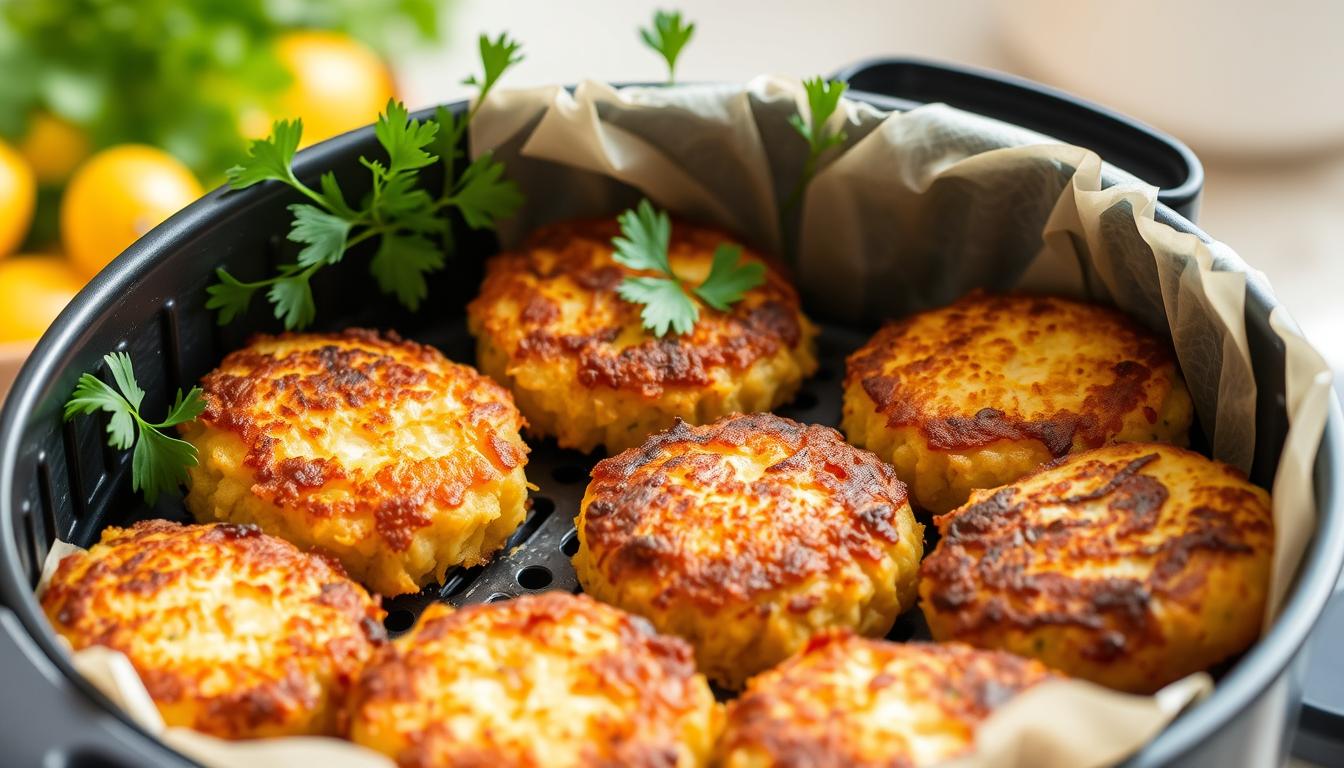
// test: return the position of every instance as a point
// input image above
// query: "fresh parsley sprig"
(823, 97)
(403, 218)
(643, 245)
(159, 462)
(668, 35)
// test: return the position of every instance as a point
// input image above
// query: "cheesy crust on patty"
(1131, 566)
(550, 325)
(542, 680)
(977, 394)
(379, 451)
(849, 702)
(747, 536)
(234, 633)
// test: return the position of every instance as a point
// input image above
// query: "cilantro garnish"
(403, 218)
(645, 233)
(823, 97)
(159, 462)
(667, 37)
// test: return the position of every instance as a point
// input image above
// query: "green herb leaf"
(92, 394)
(397, 212)
(269, 159)
(646, 235)
(729, 279)
(483, 196)
(400, 199)
(230, 297)
(823, 97)
(335, 199)
(668, 36)
(666, 304)
(324, 234)
(497, 56)
(185, 408)
(159, 462)
(292, 296)
(404, 139)
(400, 266)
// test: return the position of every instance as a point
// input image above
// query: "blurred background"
(115, 113)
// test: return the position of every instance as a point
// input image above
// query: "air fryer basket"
(59, 480)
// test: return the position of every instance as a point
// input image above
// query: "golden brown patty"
(747, 536)
(846, 701)
(234, 633)
(546, 680)
(378, 451)
(550, 325)
(1131, 566)
(979, 393)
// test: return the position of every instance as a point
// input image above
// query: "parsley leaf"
(292, 296)
(404, 139)
(400, 266)
(482, 196)
(643, 244)
(269, 158)
(729, 279)
(666, 304)
(397, 212)
(323, 233)
(497, 56)
(159, 462)
(823, 98)
(668, 36)
(646, 235)
(229, 296)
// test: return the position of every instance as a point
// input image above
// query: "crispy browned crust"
(261, 396)
(572, 262)
(758, 534)
(647, 682)
(140, 586)
(824, 707)
(1038, 555)
(906, 365)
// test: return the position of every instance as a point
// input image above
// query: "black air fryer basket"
(59, 480)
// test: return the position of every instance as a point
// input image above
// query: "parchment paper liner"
(914, 210)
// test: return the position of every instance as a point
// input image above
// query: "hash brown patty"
(747, 536)
(977, 394)
(550, 325)
(1131, 566)
(542, 680)
(851, 702)
(235, 633)
(378, 451)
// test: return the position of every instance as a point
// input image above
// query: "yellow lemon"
(53, 147)
(18, 194)
(118, 195)
(33, 291)
(339, 83)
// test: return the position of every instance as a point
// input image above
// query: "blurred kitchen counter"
(1284, 216)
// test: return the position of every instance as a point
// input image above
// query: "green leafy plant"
(180, 76)
(668, 35)
(643, 245)
(159, 462)
(823, 98)
(397, 212)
